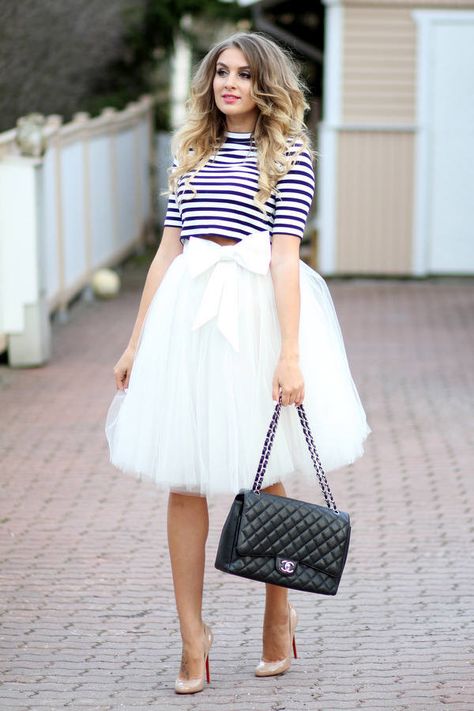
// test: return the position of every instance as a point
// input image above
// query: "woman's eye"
(223, 73)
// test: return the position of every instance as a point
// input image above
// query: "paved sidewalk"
(88, 617)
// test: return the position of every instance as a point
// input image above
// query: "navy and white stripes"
(223, 204)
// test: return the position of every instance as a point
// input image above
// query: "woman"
(230, 320)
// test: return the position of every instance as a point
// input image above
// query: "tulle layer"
(196, 411)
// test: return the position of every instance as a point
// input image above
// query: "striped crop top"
(223, 204)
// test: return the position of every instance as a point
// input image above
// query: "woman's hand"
(123, 368)
(289, 379)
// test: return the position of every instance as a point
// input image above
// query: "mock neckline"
(238, 134)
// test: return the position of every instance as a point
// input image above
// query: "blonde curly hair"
(280, 134)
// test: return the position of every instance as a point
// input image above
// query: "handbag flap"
(308, 533)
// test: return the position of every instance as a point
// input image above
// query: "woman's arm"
(170, 247)
(285, 275)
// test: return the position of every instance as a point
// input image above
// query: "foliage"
(148, 45)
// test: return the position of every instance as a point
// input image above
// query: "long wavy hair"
(280, 134)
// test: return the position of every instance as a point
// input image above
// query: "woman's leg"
(188, 525)
(276, 638)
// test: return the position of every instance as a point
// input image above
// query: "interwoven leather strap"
(267, 448)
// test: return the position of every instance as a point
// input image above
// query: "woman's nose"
(230, 81)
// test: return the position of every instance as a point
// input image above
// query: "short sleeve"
(173, 215)
(296, 191)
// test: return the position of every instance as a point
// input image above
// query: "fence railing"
(84, 204)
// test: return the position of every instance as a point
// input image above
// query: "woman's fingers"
(299, 399)
(287, 396)
(118, 380)
(291, 396)
(123, 369)
(288, 385)
(288, 382)
(275, 389)
(121, 378)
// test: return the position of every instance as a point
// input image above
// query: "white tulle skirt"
(199, 399)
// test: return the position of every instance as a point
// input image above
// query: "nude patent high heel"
(193, 685)
(281, 665)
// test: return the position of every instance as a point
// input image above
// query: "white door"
(444, 207)
(447, 121)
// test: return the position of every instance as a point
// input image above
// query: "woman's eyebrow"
(225, 65)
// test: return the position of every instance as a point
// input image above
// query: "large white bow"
(221, 295)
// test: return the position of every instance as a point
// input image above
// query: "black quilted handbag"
(274, 539)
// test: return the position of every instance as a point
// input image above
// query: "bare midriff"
(220, 240)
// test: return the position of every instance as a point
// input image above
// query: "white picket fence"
(85, 204)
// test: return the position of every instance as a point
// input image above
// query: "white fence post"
(24, 311)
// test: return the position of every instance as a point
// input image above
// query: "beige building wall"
(375, 152)
(379, 65)
(375, 202)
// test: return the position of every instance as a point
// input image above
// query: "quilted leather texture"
(262, 529)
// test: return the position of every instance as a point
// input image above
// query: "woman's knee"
(276, 489)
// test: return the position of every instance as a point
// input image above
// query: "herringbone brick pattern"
(87, 609)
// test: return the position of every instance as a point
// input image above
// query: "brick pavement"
(87, 615)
